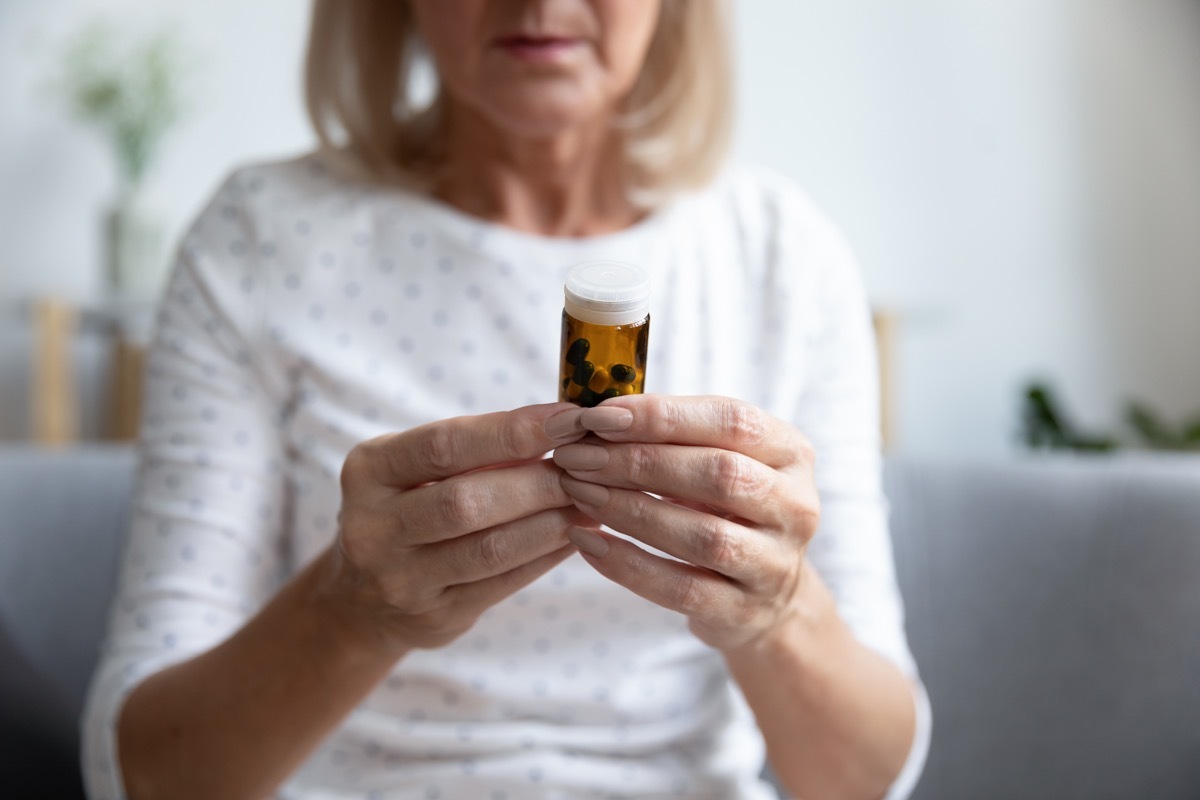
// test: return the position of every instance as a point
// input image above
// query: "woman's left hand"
(739, 508)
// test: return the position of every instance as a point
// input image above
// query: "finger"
(725, 479)
(714, 543)
(498, 550)
(486, 593)
(467, 503)
(451, 447)
(703, 508)
(686, 588)
(722, 422)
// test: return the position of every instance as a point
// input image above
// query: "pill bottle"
(605, 332)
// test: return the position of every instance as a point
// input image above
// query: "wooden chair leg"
(885, 343)
(54, 398)
(126, 396)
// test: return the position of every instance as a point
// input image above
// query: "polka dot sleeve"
(839, 412)
(205, 547)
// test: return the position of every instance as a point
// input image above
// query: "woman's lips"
(538, 49)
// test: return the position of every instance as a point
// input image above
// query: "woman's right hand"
(440, 522)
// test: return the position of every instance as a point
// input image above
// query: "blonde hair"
(675, 124)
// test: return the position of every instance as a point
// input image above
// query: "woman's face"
(537, 68)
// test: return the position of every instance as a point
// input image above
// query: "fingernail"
(564, 424)
(588, 541)
(581, 456)
(606, 420)
(588, 493)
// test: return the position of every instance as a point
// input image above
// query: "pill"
(578, 351)
(583, 372)
(610, 393)
(599, 380)
(623, 373)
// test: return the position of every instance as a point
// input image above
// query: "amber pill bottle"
(605, 332)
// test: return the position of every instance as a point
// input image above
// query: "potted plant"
(132, 93)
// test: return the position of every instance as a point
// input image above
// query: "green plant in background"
(1157, 434)
(1045, 426)
(132, 92)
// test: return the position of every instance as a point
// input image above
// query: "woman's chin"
(543, 114)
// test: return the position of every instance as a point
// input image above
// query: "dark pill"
(623, 373)
(610, 393)
(578, 351)
(588, 398)
(583, 372)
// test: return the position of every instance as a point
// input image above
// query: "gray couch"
(1054, 607)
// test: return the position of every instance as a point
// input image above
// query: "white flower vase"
(134, 238)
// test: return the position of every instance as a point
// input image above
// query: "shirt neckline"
(481, 234)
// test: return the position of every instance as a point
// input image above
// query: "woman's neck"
(568, 185)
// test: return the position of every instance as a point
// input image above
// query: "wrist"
(808, 632)
(339, 600)
(835, 715)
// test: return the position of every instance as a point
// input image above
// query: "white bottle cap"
(607, 293)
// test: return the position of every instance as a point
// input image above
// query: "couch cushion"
(65, 514)
(1054, 609)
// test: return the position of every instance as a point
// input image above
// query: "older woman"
(352, 571)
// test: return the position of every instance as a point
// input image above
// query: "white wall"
(1142, 116)
(58, 175)
(1019, 177)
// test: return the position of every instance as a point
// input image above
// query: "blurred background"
(1020, 180)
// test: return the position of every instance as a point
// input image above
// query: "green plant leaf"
(1147, 425)
(131, 92)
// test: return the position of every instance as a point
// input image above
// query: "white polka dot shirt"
(307, 313)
